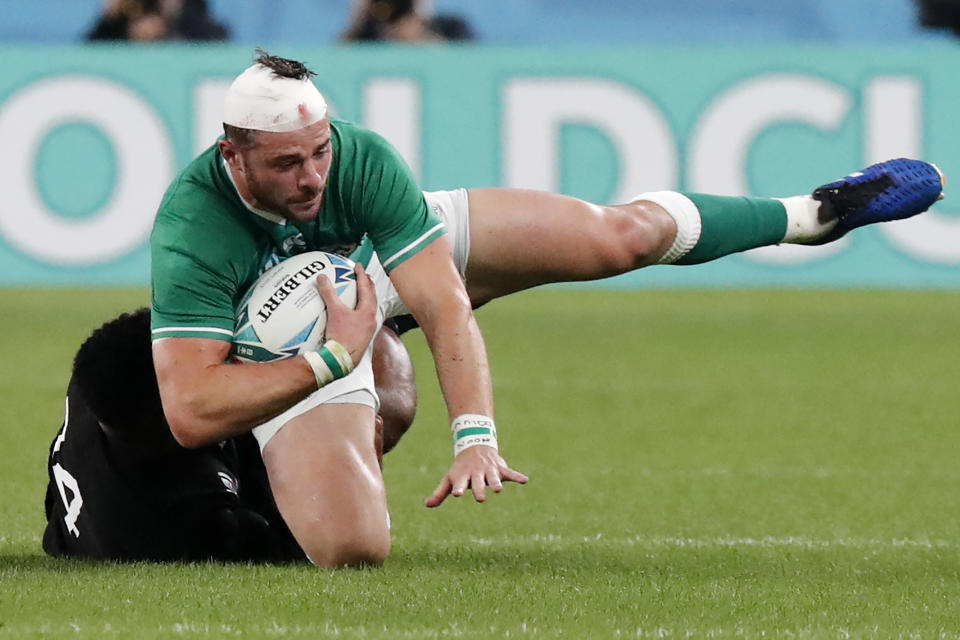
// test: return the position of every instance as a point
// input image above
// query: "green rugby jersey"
(208, 246)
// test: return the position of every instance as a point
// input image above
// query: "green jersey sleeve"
(396, 217)
(190, 299)
(206, 249)
(203, 253)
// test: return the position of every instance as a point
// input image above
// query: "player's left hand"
(476, 469)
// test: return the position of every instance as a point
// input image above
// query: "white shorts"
(359, 387)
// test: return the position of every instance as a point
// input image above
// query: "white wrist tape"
(470, 430)
(342, 355)
(320, 369)
(331, 362)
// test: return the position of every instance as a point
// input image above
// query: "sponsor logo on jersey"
(293, 245)
(229, 482)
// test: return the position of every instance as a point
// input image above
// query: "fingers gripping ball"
(282, 314)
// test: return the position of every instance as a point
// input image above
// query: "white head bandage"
(261, 100)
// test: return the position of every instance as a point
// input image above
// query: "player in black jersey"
(121, 488)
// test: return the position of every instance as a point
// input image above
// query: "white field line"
(796, 472)
(448, 629)
(766, 542)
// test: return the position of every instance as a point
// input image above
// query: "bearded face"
(285, 173)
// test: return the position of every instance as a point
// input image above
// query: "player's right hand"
(475, 469)
(353, 328)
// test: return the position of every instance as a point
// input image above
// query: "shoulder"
(367, 160)
(356, 139)
(200, 191)
(199, 218)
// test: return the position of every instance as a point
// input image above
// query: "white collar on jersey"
(266, 215)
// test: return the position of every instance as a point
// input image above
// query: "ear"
(229, 152)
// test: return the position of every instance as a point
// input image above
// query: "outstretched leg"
(521, 239)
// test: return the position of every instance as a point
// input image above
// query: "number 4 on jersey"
(66, 481)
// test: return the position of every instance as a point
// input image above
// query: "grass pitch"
(703, 464)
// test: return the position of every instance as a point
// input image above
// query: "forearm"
(461, 359)
(224, 400)
(206, 400)
(465, 379)
(431, 287)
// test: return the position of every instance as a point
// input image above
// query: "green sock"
(732, 224)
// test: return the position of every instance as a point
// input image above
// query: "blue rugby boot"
(891, 190)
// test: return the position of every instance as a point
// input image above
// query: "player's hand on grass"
(475, 469)
(353, 328)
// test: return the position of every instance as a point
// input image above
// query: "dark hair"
(281, 67)
(113, 370)
(240, 137)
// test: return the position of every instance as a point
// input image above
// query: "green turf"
(703, 464)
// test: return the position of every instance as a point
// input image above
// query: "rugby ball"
(283, 314)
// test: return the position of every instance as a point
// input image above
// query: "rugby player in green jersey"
(287, 178)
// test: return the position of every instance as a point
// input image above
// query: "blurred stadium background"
(597, 99)
(753, 462)
(314, 22)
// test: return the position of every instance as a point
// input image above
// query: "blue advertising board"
(92, 136)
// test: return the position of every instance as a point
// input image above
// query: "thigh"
(521, 238)
(327, 484)
(358, 387)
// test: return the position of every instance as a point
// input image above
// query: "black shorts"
(109, 500)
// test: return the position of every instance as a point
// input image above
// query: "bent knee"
(359, 549)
